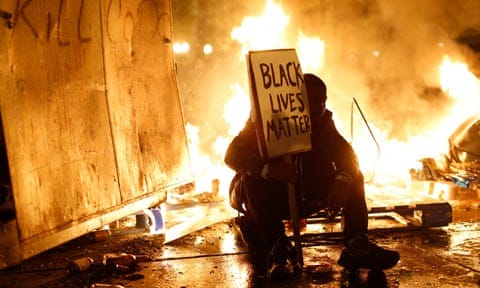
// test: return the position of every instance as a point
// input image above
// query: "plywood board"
(55, 116)
(91, 113)
(150, 142)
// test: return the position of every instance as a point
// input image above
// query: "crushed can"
(120, 262)
(99, 235)
(79, 265)
(105, 285)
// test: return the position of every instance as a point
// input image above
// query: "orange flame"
(264, 32)
(396, 157)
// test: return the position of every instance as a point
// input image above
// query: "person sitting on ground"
(329, 178)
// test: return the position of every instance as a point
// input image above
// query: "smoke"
(385, 53)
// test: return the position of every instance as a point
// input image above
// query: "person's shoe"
(359, 252)
(282, 261)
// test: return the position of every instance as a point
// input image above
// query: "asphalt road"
(215, 256)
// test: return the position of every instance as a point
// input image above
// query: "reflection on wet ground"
(215, 256)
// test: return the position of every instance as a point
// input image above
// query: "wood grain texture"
(91, 111)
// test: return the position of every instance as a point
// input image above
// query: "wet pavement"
(215, 256)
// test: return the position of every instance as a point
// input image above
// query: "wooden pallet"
(389, 208)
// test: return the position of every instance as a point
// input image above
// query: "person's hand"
(283, 172)
(338, 195)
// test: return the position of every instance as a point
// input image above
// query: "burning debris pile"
(460, 168)
(398, 73)
(188, 194)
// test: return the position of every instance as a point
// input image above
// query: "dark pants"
(266, 202)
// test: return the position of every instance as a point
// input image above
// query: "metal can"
(99, 235)
(105, 285)
(120, 262)
(80, 265)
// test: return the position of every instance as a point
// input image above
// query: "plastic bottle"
(80, 265)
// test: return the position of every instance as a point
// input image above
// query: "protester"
(325, 177)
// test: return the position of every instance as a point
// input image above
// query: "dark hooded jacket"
(330, 154)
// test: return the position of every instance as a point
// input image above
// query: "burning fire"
(264, 32)
(393, 157)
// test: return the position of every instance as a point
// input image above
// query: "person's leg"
(267, 204)
(250, 233)
(358, 251)
(355, 213)
(257, 252)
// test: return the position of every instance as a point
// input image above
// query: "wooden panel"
(55, 115)
(148, 128)
(92, 118)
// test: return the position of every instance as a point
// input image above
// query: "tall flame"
(311, 53)
(393, 158)
(264, 32)
(457, 80)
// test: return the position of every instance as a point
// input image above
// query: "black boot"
(359, 252)
(282, 260)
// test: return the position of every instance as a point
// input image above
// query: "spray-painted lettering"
(123, 22)
(24, 15)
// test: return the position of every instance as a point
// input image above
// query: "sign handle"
(292, 200)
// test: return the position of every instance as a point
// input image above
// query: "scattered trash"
(99, 235)
(465, 179)
(143, 258)
(105, 285)
(154, 219)
(120, 262)
(79, 265)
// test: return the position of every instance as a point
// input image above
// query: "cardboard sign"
(279, 102)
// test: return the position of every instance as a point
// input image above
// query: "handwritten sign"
(280, 104)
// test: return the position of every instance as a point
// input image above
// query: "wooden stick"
(292, 200)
